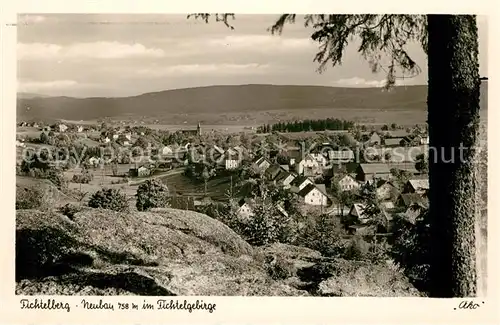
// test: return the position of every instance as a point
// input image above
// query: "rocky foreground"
(170, 252)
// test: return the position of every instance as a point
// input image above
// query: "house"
(320, 158)
(394, 142)
(406, 200)
(245, 208)
(79, 129)
(141, 171)
(368, 172)
(385, 189)
(46, 129)
(397, 134)
(348, 183)
(299, 183)
(116, 136)
(341, 155)
(192, 132)
(20, 144)
(358, 218)
(374, 139)
(262, 163)
(106, 140)
(413, 212)
(285, 167)
(356, 215)
(407, 167)
(307, 166)
(314, 195)
(22, 124)
(167, 150)
(94, 161)
(424, 140)
(272, 172)
(231, 161)
(420, 186)
(128, 136)
(285, 178)
(62, 127)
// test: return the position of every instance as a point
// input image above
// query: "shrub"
(324, 235)
(280, 269)
(83, 178)
(151, 194)
(70, 210)
(57, 178)
(109, 198)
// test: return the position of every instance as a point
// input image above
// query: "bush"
(70, 210)
(152, 194)
(109, 198)
(280, 269)
(324, 235)
(57, 178)
(83, 178)
(411, 249)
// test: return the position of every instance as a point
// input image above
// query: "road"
(169, 173)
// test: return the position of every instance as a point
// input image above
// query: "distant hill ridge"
(223, 99)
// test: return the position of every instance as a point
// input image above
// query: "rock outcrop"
(165, 252)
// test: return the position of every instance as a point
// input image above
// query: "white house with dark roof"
(300, 182)
(314, 195)
(307, 166)
(348, 183)
(285, 178)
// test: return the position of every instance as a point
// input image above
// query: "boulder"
(163, 252)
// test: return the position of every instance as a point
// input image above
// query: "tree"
(44, 138)
(109, 198)
(152, 194)
(114, 169)
(422, 163)
(205, 175)
(451, 44)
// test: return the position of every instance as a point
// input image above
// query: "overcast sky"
(124, 55)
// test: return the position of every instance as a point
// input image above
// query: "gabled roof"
(341, 154)
(419, 184)
(410, 199)
(398, 134)
(273, 171)
(299, 180)
(393, 141)
(283, 175)
(310, 187)
(375, 168)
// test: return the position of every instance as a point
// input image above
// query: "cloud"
(359, 82)
(364, 83)
(36, 86)
(197, 69)
(31, 19)
(93, 50)
(260, 43)
(228, 45)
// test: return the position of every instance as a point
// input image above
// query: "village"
(325, 173)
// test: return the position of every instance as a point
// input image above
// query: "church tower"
(198, 129)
